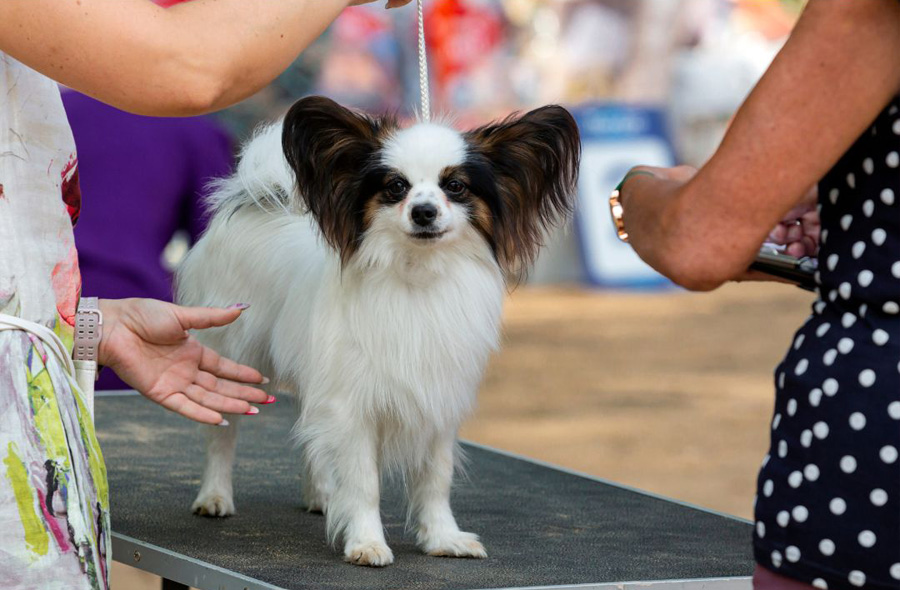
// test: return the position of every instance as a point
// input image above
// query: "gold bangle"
(615, 204)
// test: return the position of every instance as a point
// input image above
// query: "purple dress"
(145, 178)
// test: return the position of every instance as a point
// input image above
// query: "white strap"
(82, 371)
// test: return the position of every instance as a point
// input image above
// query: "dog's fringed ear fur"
(534, 159)
(330, 149)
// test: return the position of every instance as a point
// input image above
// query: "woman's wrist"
(631, 174)
(111, 310)
(616, 202)
(660, 222)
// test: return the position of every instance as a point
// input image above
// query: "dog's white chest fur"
(407, 344)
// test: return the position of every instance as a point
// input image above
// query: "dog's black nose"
(424, 214)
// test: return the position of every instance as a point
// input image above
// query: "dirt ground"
(668, 391)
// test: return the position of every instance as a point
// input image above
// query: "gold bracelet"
(615, 204)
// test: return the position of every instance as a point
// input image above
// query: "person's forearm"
(672, 237)
(805, 112)
(192, 58)
(698, 246)
(248, 43)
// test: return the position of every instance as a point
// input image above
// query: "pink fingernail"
(223, 423)
(265, 380)
(241, 306)
(252, 411)
(269, 400)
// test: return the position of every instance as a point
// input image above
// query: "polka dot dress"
(828, 503)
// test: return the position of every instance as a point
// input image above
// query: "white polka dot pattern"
(837, 506)
(867, 539)
(811, 472)
(815, 397)
(878, 497)
(828, 509)
(848, 464)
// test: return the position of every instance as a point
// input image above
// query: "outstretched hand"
(146, 342)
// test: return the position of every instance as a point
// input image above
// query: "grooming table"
(542, 526)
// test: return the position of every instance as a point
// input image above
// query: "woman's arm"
(839, 68)
(192, 58)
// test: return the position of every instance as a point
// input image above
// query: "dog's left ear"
(534, 160)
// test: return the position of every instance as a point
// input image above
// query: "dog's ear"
(331, 149)
(534, 159)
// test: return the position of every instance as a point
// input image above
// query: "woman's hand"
(798, 231)
(146, 342)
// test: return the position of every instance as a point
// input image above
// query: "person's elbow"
(180, 85)
(205, 96)
(200, 89)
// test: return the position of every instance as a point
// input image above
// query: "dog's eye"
(396, 188)
(454, 187)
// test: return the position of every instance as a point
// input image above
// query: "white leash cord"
(423, 66)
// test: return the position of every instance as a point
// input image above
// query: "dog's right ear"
(330, 149)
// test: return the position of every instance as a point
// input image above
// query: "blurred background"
(606, 367)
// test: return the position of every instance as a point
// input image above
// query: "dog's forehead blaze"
(422, 151)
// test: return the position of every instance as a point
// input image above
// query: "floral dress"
(54, 507)
(828, 505)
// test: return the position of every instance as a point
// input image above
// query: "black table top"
(541, 526)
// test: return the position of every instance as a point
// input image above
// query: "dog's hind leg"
(216, 497)
(436, 530)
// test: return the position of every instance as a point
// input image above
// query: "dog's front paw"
(213, 504)
(455, 544)
(372, 554)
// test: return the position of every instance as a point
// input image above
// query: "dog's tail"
(262, 179)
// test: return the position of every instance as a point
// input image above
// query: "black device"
(800, 271)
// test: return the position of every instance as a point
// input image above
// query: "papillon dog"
(376, 257)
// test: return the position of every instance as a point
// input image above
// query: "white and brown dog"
(376, 258)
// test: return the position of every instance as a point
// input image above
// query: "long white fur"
(386, 354)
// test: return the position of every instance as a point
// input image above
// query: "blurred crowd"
(490, 57)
